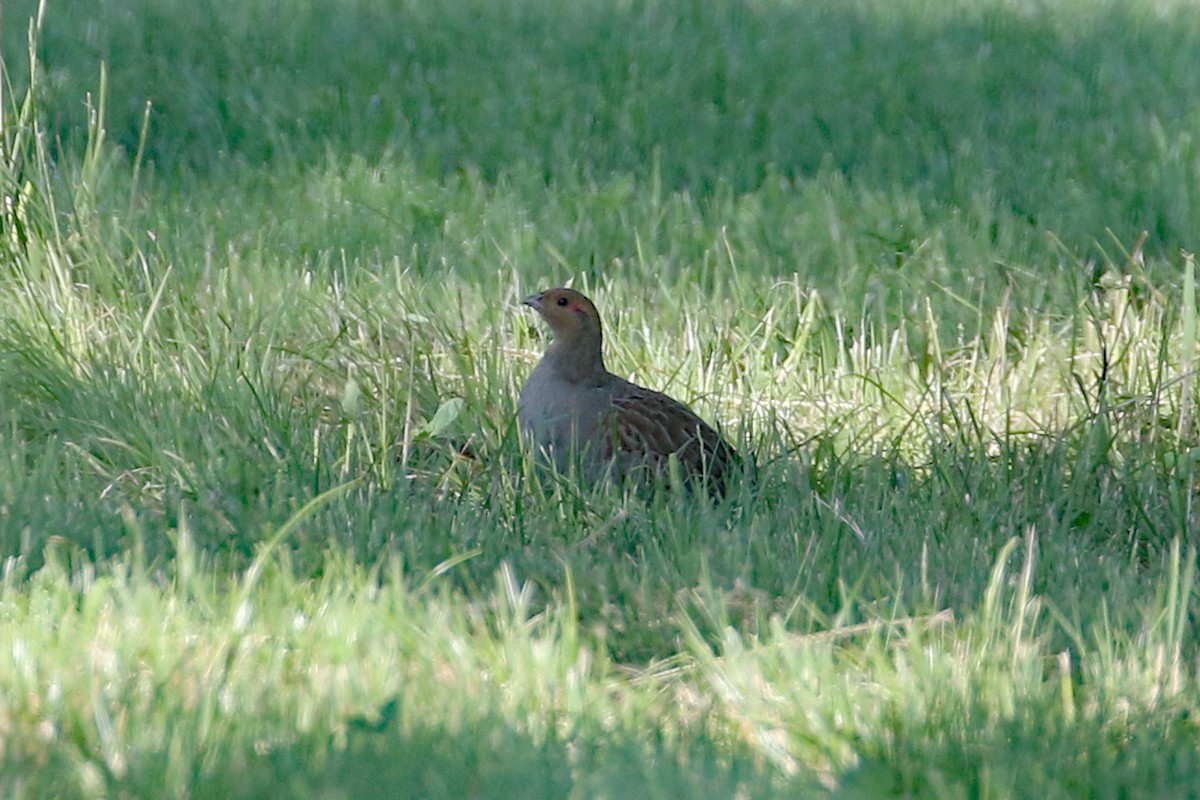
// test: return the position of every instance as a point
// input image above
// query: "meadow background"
(266, 525)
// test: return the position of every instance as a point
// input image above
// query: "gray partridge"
(574, 408)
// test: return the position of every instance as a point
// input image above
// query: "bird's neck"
(577, 358)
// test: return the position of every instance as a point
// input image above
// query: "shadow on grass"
(488, 759)
(1070, 116)
(1141, 756)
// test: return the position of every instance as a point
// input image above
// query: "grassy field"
(925, 261)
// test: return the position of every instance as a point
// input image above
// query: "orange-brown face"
(566, 310)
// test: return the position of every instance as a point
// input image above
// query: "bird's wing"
(650, 427)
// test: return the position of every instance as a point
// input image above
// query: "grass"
(895, 249)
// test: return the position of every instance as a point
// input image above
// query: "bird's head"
(575, 354)
(570, 315)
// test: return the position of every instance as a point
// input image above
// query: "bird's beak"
(534, 301)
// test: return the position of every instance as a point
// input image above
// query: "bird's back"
(614, 424)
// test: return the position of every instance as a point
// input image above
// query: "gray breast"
(564, 419)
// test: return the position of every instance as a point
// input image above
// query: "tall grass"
(266, 522)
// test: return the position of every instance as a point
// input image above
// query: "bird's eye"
(562, 301)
